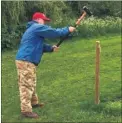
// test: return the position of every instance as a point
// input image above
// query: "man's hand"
(72, 29)
(55, 48)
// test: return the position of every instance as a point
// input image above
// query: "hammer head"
(87, 10)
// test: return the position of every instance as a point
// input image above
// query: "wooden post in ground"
(97, 73)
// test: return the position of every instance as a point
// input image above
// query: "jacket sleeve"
(48, 32)
(47, 48)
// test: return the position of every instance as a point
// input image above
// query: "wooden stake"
(97, 76)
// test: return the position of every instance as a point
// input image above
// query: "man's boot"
(29, 115)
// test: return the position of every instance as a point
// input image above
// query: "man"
(28, 57)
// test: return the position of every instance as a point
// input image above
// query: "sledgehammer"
(85, 12)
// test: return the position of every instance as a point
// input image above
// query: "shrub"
(11, 39)
(8, 39)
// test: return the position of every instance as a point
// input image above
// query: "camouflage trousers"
(27, 85)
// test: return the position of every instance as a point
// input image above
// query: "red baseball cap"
(38, 15)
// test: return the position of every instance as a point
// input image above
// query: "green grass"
(65, 82)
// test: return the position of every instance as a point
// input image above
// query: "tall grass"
(92, 26)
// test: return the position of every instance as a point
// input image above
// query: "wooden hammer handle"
(79, 20)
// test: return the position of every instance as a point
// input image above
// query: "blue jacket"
(32, 44)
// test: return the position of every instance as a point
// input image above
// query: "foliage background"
(15, 15)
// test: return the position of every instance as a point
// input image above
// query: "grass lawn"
(65, 83)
